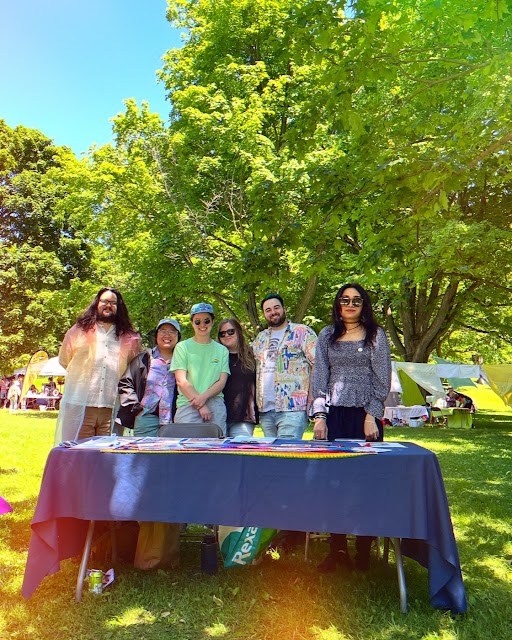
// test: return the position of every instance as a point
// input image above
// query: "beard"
(276, 321)
(106, 315)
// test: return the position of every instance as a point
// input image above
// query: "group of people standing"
(286, 376)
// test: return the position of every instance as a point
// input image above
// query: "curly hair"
(87, 320)
(244, 350)
(366, 319)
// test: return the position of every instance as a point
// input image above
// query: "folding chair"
(191, 430)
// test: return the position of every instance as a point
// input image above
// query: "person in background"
(147, 389)
(95, 352)
(351, 381)
(451, 398)
(4, 386)
(201, 367)
(465, 402)
(13, 395)
(285, 355)
(49, 387)
(240, 389)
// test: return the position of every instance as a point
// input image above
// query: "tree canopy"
(309, 143)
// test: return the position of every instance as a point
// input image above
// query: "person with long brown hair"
(95, 353)
(351, 380)
(240, 389)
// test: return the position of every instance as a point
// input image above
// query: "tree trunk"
(307, 297)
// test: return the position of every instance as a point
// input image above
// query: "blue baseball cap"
(201, 307)
(170, 321)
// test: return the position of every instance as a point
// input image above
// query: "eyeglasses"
(165, 332)
(228, 332)
(205, 321)
(108, 303)
(356, 301)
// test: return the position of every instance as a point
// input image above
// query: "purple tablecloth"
(399, 493)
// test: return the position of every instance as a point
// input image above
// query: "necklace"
(353, 328)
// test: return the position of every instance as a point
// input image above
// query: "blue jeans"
(240, 429)
(284, 424)
(146, 425)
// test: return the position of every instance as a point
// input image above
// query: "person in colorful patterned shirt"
(285, 355)
(147, 389)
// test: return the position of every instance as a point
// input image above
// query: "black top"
(239, 392)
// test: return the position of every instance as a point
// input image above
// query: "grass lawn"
(283, 598)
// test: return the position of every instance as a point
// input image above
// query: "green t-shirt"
(203, 363)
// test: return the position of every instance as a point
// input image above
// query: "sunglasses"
(356, 301)
(228, 332)
(205, 321)
(167, 333)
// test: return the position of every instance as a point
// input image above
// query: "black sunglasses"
(204, 321)
(228, 332)
(356, 301)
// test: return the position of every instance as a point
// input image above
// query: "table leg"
(84, 561)
(401, 574)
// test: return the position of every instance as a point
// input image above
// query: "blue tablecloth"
(399, 493)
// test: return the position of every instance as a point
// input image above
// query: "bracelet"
(320, 416)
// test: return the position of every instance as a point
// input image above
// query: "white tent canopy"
(429, 376)
(52, 368)
(423, 374)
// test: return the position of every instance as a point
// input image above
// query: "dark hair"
(269, 296)
(87, 320)
(366, 319)
(244, 350)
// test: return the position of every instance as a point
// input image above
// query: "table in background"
(396, 494)
(455, 417)
(41, 399)
(404, 414)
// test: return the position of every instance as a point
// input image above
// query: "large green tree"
(42, 254)
(310, 144)
(374, 143)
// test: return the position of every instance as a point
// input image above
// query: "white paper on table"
(252, 440)
(104, 442)
(388, 445)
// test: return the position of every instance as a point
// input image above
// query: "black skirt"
(348, 422)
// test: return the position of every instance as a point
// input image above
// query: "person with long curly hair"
(351, 381)
(95, 353)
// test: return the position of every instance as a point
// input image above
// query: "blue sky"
(67, 65)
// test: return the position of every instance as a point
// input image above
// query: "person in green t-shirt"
(201, 367)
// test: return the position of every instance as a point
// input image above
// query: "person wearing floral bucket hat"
(201, 367)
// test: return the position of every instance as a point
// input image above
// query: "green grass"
(281, 599)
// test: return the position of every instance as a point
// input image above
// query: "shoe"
(362, 563)
(333, 560)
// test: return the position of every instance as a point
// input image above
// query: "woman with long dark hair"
(351, 380)
(240, 389)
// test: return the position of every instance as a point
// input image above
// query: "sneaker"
(333, 560)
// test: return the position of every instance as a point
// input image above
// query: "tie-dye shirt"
(294, 363)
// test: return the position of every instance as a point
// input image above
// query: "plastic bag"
(158, 545)
(241, 545)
